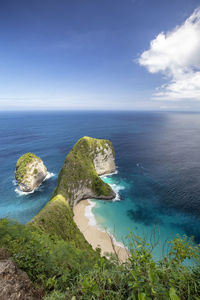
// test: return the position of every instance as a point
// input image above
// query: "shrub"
(67, 271)
(141, 277)
(55, 295)
(48, 260)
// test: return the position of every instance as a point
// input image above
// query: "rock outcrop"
(104, 160)
(30, 172)
(79, 177)
(15, 284)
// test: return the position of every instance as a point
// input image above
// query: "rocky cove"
(56, 256)
(78, 179)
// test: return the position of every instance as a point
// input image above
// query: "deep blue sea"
(158, 163)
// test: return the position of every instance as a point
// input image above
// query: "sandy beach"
(95, 237)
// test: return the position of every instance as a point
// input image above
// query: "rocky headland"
(52, 258)
(30, 172)
(78, 179)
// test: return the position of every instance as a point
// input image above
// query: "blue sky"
(99, 54)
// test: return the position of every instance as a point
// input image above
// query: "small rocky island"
(30, 172)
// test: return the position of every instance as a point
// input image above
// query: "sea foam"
(92, 222)
(116, 188)
(21, 193)
(89, 214)
(49, 175)
(109, 174)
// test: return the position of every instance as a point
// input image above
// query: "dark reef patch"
(144, 215)
(189, 230)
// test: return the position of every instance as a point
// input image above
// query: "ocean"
(158, 168)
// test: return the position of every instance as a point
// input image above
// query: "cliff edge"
(78, 179)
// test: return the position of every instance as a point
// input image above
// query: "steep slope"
(79, 177)
(77, 180)
(56, 218)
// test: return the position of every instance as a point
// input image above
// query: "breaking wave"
(21, 193)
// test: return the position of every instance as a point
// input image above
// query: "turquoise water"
(158, 163)
(112, 217)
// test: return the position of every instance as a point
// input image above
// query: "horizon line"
(95, 110)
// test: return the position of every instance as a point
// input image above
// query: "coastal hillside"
(78, 179)
(62, 265)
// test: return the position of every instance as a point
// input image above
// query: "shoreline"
(96, 237)
(21, 193)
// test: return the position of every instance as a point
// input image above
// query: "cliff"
(77, 180)
(56, 218)
(58, 259)
(30, 172)
(79, 177)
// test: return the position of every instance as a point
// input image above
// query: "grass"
(50, 261)
(64, 271)
(22, 166)
(78, 171)
(56, 218)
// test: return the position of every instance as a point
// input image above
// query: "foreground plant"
(67, 272)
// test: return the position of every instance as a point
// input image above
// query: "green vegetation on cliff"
(49, 261)
(78, 171)
(56, 218)
(64, 271)
(22, 165)
(58, 259)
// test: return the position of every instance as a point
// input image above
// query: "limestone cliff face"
(30, 172)
(79, 177)
(104, 161)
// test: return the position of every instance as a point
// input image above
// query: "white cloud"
(176, 54)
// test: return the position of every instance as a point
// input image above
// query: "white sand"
(95, 237)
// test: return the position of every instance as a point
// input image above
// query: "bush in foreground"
(67, 272)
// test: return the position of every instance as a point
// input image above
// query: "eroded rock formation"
(30, 172)
(79, 177)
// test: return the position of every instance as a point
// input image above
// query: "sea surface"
(158, 168)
